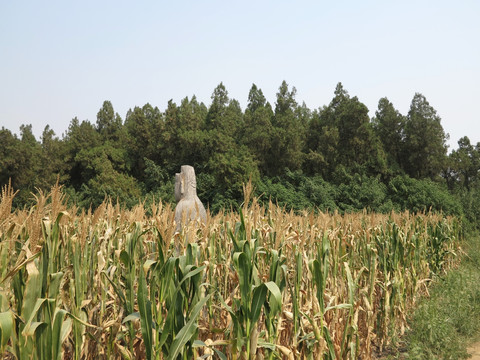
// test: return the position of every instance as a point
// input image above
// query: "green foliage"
(80, 137)
(425, 147)
(299, 192)
(157, 184)
(341, 134)
(469, 201)
(254, 293)
(185, 139)
(52, 158)
(465, 163)
(354, 193)
(144, 128)
(109, 123)
(363, 192)
(257, 132)
(389, 125)
(288, 133)
(421, 196)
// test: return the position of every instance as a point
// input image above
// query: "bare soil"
(474, 351)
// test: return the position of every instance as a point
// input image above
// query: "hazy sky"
(62, 59)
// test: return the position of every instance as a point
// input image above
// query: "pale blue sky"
(62, 59)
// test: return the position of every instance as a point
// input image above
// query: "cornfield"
(255, 283)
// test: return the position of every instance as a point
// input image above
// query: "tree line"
(332, 158)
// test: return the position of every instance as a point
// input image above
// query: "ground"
(474, 351)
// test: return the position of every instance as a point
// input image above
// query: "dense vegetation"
(334, 157)
(255, 283)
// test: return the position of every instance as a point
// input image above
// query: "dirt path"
(474, 350)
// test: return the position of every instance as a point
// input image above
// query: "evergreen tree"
(227, 162)
(258, 130)
(80, 136)
(98, 161)
(28, 155)
(52, 160)
(9, 158)
(218, 108)
(184, 137)
(288, 133)
(389, 127)
(466, 162)
(425, 149)
(109, 123)
(144, 127)
(342, 138)
(321, 145)
(19, 162)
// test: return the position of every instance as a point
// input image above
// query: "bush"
(363, 192)
(296, 191)
(421, 195)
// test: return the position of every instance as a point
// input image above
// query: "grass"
(448, 320)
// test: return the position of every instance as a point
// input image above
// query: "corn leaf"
(258, 299)
(6, 327)
(60, 330)
(145, 310)
(187, 332)
(277, 296)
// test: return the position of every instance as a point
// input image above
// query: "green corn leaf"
(32, 328)
(126, 354)
(125, 258)
(33, 313)
(54, 287)
(258, 298)
(33, 289)
(230, 311)
(6, 327)
(351, 284)
(266, 345)
(186, 333)
(19, 266)
(220, 354)
(131, 317)
(193, 272)
(145, 309)
(276, 304)
(199, 343)
(316, 330)
(168, 327)
(60, 330)
(319, 282)
(148, 264)
(66, 329)
(77, 319)
(241, 262)
(328, 340)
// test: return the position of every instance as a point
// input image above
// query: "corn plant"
(246, 310)
(256, 282)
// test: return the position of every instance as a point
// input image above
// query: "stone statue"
(189, 207)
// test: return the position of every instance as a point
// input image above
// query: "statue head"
(185, 183)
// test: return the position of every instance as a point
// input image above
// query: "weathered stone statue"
(189, 207)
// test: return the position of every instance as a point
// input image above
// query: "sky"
(62, 59)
